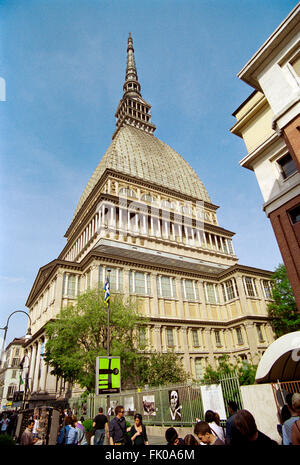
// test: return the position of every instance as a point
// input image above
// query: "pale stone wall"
(259, 400)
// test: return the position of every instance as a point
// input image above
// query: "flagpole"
(108, 317)
(108, 337)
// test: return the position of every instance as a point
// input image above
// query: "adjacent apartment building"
(269, 123)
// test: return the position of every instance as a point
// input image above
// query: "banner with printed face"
(149, 405)
(175, 407)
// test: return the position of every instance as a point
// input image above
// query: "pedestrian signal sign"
(108, 375)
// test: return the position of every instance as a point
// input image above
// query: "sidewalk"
(157, 440)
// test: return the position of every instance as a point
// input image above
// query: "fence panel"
(154, 404)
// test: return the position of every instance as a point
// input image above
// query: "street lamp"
(27, 336)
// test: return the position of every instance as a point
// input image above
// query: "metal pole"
(108, 317)
(6, 327)
(108, 335)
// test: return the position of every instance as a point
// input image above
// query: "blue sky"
(64, 61)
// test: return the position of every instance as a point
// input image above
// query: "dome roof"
(143, 156)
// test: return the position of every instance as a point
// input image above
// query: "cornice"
(101, 256)
(139, 182)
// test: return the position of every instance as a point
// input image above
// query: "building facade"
(269, 123)
(146, 216)
(11, 379)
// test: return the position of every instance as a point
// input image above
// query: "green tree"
(161, 369)
(283, 309)
(79, 334)
(245, 371)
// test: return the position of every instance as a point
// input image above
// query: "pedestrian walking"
(4, 422)
(36, 420)
(138, 433)
(296, 425)
(117, 428)
(244, 431)
(214, 422)
(27, 438)
(205, 435)
(287, 425)
(68, 434)
(81, 437)
(100, 427)
(232, 409)
(172, 437)
(190, 440)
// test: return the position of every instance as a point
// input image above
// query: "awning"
(281, 360)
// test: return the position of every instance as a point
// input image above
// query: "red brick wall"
(291, 135)
(288, 238)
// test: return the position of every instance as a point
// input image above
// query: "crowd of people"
(240, 428)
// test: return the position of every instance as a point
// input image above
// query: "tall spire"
(133, 110)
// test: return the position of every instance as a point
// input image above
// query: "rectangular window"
(211, 293)
(250, 286)
(170, 337)
(142, 337)
(230, 248)
(287, 166)
(71, 285)
(115, 278)
(295, 215)
(140, 283)
(195, 338)
(239, 336)
(14, 374)
(166, 286)
(189, 289)
(259, 333)
(218, 339)
(267, 289)
(15, 362)
(198, 368)
(230, 290)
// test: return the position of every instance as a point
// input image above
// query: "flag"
(21, 381)
(107, 292)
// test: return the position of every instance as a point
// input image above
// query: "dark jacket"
(117, 429)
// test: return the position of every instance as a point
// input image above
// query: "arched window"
(127, 192)
(148, 198)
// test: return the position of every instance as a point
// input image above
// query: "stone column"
(157, 338)
(37, 368)
(242, 296)
(164, 344)
(185, 345)
(32, 365)
(58, 293)
(126, 271)
(209, 346)
(44, 370)
(251, 336)
(180, 297)
(94, 276)
(202, 299)
(154, 293)
(65, 293)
